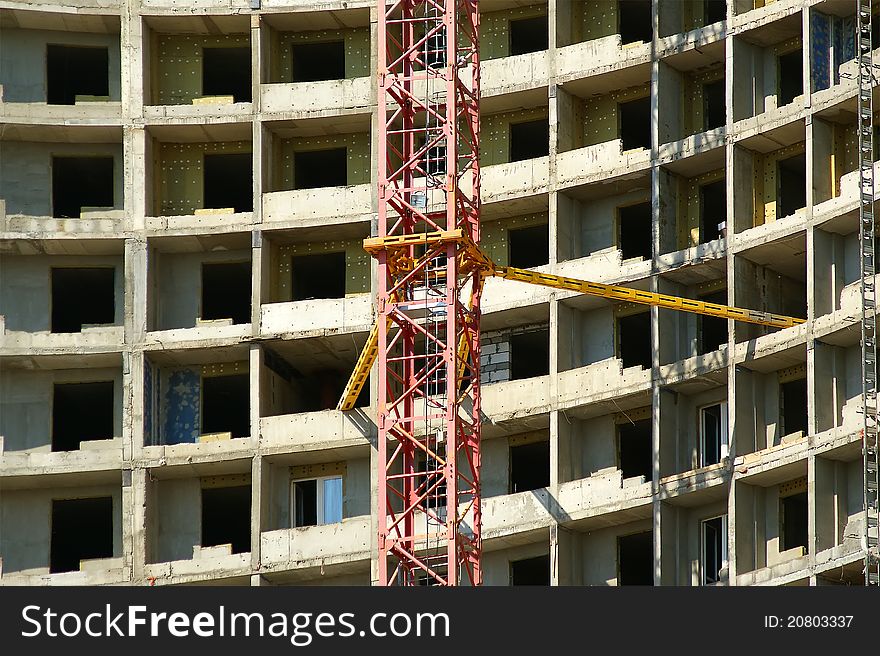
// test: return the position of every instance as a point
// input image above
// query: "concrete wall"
(26, 518)
(358, 162)
(177, 524)
(176, 71)
(598, 553)
(26, 288)
(26, 173)
(681, 555)
(179, 177)
(357, 266)
(357, 51)
(26, 404)
(23, 61)
(177, 280)
(495, 29)
(495, 133)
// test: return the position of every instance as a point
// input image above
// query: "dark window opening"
(82, 296)
(430, 476)
(714, 538)
(714, 111)
(530, 571)
(635, 559)
(82, 529)
(634, 231)
(434, 160)
(305, 502)
(320, 168)
(634, 449)
(711, 331)
(636, 20)
(315, 62)
(529, 466)
(81, 411)
(318, 276)
(634, 340)
(635, 123)
(226, 517)
(791, 77)
(227, 72)
(792, 184)
(529, 139)
(73, 71)
(529, 247)
(79, 182)
(713, 210)
(714, 11)
(794, 406)
(713, 440)
(435, 49)
(226, 405)
(530, 354)
(528, 35)
(793, 521)
(226, 291)
(229, 181)
(322, 390)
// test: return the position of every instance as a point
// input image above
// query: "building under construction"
(185, 191)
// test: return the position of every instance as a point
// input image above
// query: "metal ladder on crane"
(869, 295)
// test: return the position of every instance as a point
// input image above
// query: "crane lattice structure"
(431, 273)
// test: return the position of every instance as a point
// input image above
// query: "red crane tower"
(428, 292)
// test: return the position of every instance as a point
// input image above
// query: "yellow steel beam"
(361, 370)
(375, 244)
(631, 295)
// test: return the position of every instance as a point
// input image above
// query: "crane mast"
(428, 324)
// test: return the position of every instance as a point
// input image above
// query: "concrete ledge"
(514, 73)
(317, 317)
(216, 335)
(503, 181)
(295, 548)
(301, 207)
(160, 225)
(598, 56)
(190, 571)
(608, 500)
(306, 97)
(600, 381)
(593, 163)
(104, 224)
(206, 109)
(97, 455)
(326, 429)
(516, 398)
(109, 338)
(104, 571)
(190, 453)
(40, 113)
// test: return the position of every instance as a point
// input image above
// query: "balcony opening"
(227, 72)
(81, 411)
(792, 188)
(229, 181)
(81, 182)
(320, 168)
(711, 331)
(316, 501)
(82, 296)
(530, 571)
(530, 466)
(713, 434)
(634, 231)
(635, 21)
(713, 210)
(793, 521)
(82, 529)
(634, 451)
(73, 71)
(714, 111)
(634, 340)
(324, 389)
(635, 559)
(316, 62)
(714, 538)
(529, 139)
(714, 11)
(530, 354)
(528, 35)
(226, 517)
(791, 77)
(529, 247)
(226, 405)
(635, 123)
(794, 406)
(318, 276)
(226, 291)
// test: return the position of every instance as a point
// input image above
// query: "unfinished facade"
(183, 200)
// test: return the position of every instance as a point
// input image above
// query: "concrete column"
(135, 515)
(135, 316)
(260, 496)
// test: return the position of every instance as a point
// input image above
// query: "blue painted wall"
(181, 407)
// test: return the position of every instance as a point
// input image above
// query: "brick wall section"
(495, 352)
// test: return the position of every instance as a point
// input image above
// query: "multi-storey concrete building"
(184, 189)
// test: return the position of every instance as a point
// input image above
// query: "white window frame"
(725, 438)
(319, 498)
(724, 554)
